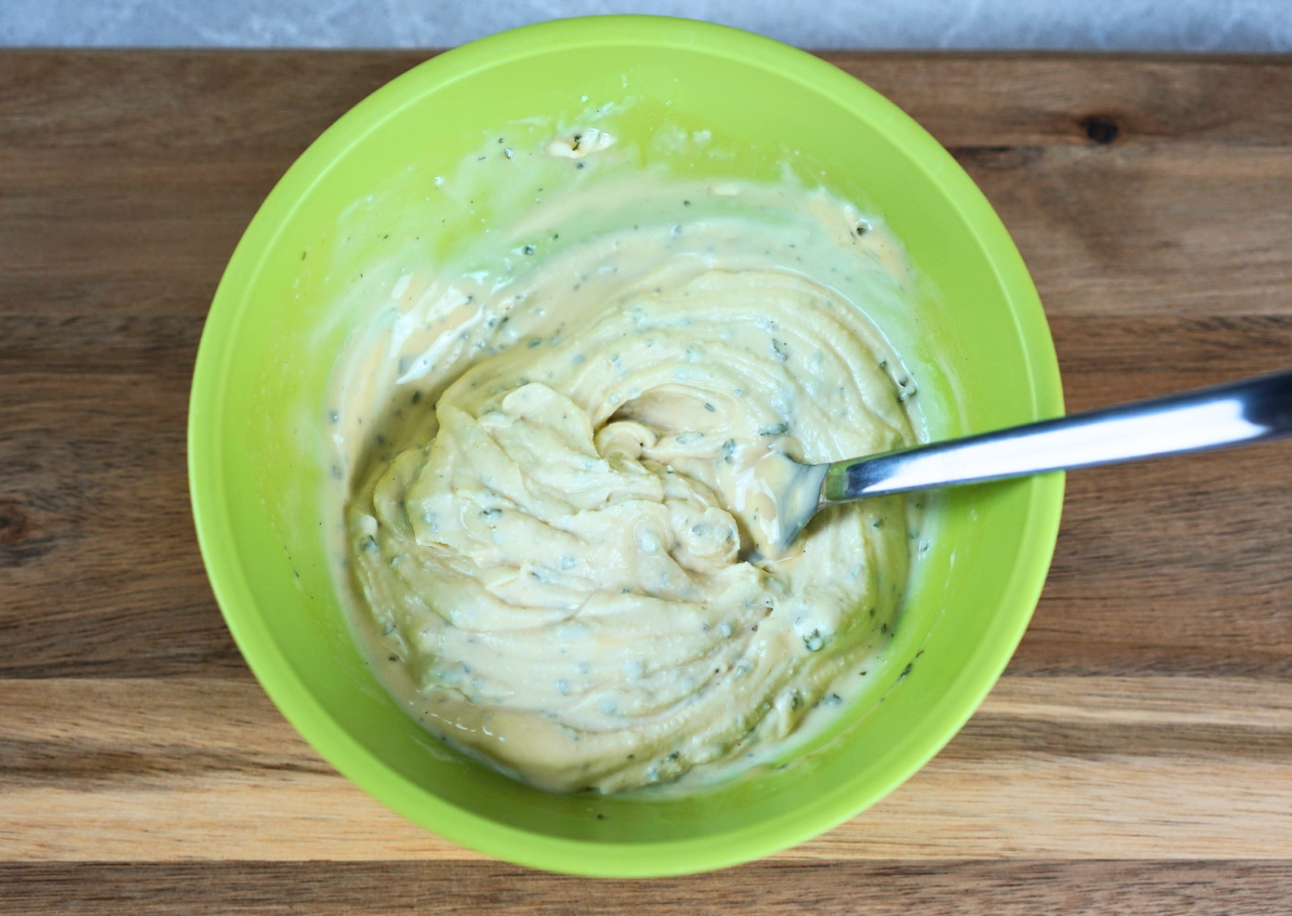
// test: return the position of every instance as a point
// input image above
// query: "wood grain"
(891, 888)
(1136, 758)
(1157, 767)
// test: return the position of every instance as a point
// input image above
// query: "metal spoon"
(1253, 410)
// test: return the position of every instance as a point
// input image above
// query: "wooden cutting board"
(1136, 757)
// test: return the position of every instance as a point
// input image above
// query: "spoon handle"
(1253, 410)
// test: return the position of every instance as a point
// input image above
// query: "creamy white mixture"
(559, 526)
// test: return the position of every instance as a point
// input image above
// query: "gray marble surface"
(1115, 25)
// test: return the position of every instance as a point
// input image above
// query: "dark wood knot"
(15, 524)
(1100, 128)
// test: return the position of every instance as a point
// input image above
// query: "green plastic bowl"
(257, 411)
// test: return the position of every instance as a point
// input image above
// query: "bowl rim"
(238, 605)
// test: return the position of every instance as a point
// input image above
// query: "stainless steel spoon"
(1253, 410)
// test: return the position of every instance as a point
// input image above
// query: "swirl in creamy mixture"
(564, 531)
